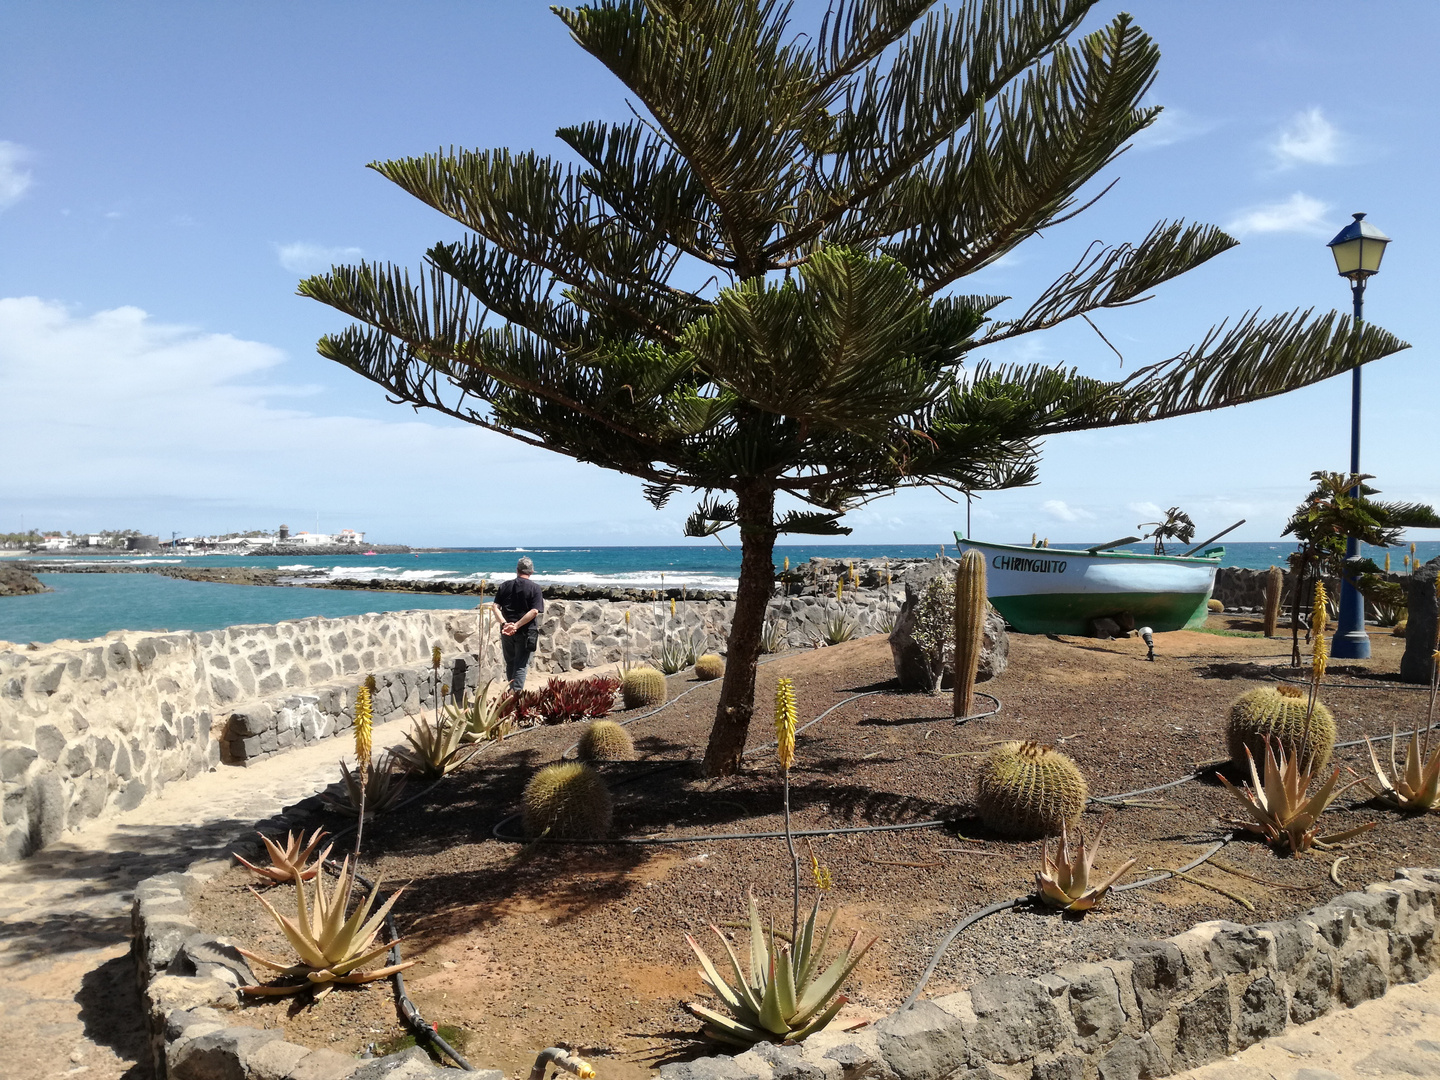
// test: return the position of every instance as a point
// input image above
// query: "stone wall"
(91, 725)
(1157, 1008)
(576, 634)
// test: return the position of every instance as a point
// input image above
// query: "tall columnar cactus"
(1029, 790)
(970, 609)
(1279, 712)
(1274, 586)
(642, 686)
(567, 801)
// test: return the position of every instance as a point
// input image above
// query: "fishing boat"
(1045, 590)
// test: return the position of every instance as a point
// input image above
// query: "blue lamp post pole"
(1357, 249)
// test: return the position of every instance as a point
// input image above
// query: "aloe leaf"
(771, 1017)
(355, 977)
(1335, 838)
(288, 969)
(785, 985)
(722, 988)
(734, 1028)
(817, 953)
(802, 1033)
(802, 947)
(835, 975)
(742, 987)
(367, 932)
(348, 964)
(759, 951)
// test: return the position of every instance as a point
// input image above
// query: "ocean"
(89, 605)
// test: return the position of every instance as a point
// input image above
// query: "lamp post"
(1358, 249)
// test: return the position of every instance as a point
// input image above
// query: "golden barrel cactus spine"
(709, 666)
(642, 686)
(1029, 790)
(567, 801)
(971, 607)
(605, 740)
(1274, 587)
(1280, 712)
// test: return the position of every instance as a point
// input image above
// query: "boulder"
(912, 669)
(1416, 665)
(17, 582)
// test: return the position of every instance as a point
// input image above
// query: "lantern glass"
(1358, 249)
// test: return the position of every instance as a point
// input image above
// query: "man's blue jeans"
(518, 648)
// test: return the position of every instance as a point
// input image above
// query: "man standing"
(520, 602)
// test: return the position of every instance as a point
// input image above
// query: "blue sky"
(168, 172)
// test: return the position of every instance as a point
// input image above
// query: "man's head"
(525, 566)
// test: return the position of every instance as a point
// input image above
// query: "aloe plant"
(331, 947)
(1414, 785)
(1064, 882)
(371, 790)
(786, 996)
(1282, 809)
(481, 718)
(292, 862)
(436, 749)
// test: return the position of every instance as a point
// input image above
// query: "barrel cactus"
(1280, 711)
(1029, 790)
(605, 740)
(1274, 586)
(1215, 606)
(567, 801)
(642, 686)
(709, 666)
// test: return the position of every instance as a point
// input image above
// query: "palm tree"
(1338, 508)
(1175, 526)
(749, 289)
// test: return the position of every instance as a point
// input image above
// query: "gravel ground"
(585, 946)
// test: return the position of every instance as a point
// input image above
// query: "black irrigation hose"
(1015, 901)
(409, 1013)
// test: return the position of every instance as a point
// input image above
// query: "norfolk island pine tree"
(831, 188)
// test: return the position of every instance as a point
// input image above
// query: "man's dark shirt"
(517, 596)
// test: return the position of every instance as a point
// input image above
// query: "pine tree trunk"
(755, 503)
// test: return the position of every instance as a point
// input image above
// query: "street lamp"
(1358, 249)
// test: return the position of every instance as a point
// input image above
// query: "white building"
(349, 536)
(57, 543)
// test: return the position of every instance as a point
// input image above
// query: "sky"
(168, 171)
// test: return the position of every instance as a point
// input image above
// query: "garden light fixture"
(1358, 249)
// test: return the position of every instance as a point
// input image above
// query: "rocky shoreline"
(19, 581)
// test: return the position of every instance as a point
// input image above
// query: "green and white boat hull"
(1058, 591)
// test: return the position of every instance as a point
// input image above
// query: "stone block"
(1238, 950)
(1094, 1004)
(1158, 973)
(276, 1060)
(131, 795)
(1263, 1012)
(324, 1065)
(220, 1055)
(206, 955)
(923, 1042)
(48, 681)
(1133, 1059)
(1377, 910)
(1361, 978)
(166, 993)
(49, 741)
(89, 798)
(46, 805)
(409, 1064)
(1204, 1029)
(1015, 1019)
(251, 720)
(15, 760)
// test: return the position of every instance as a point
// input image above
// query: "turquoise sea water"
(88, 605)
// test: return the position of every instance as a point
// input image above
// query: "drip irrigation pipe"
(409, 1013)
(1015, 901)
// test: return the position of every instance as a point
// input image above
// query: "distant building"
(309, 539)
(284, 533)
(57, 542)
(96, 541)
(142, 543)
(349, 536)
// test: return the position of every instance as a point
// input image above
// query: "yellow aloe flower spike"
(823, 880)
(435, 657)
(364, 724)
(785, 717)
(1318, 618)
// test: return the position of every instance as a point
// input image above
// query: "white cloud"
(1147, 510)
(114, 414)
(15, 179)
(1170, 127)
(303, 258)
(1308, 139)
(1299, 213)
(1062, 511)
